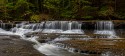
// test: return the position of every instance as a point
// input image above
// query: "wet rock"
(31, 34)
(76, 50)
(93, 52)
(7, 39)
(28, 36)
(15, 36)
(100, 36)
(41, 40)
(47, 37)
(17, 47)
(84, 51)
(94, 46)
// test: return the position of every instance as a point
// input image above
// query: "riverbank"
(13, 46)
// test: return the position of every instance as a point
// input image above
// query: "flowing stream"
(62, 27)
(67, 27)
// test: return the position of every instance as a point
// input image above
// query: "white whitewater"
(45, 48)
(4, 32)
(2, 29)
(65, 27)
(52, 31)
(70, 27)
(105, 28)
(73, 31)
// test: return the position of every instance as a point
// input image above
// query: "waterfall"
(70, 24)
(72, 27)
(3, 25)
(48, 27)
(68, 28)
(105, 28)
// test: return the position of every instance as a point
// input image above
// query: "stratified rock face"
(47, 37)
(94, 46)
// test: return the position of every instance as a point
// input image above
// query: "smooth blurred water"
(63, 27)
(105, 28)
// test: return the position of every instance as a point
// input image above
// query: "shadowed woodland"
(38, 10)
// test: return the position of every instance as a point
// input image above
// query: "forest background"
(38, 10)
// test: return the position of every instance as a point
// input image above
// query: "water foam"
(105, 28)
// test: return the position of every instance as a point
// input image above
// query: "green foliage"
(54, 6)
(89, 12)
(71, 9)
(67, 14)
(18, 10)
(35, 18)
(68, 8)
(106, 11)
(1, 2)
(22, 7)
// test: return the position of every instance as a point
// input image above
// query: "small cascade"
(63, 27)
(70, 30)
(6, 26)
(24, 28)
(49, 27)
(2, 25)
(105, 28)
(72, 27)
(4, 32)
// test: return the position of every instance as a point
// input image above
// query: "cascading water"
(2, 25)
(105, 28)
(72, 27)
(3, 29)
(63, 27)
